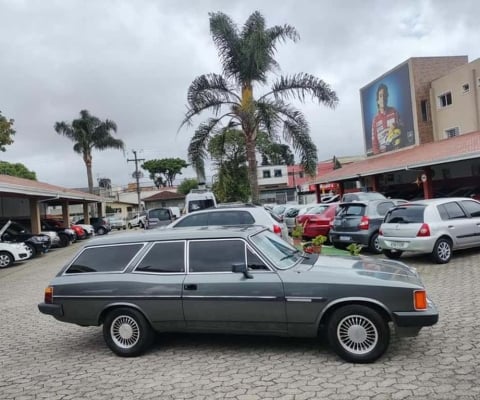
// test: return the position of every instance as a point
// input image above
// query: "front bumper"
(51, 309)
(409, 323)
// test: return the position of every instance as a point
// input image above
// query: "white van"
(199, 199)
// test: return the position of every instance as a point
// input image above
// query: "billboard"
(387, 112)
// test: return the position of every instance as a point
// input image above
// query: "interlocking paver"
(41, 358)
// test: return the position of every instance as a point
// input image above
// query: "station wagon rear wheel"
(358, 333)
(6, 259)
(442, 251)
(127, 332)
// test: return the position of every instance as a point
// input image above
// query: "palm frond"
(267, 117)
(197, 149)
(225, 37)
(300, 85)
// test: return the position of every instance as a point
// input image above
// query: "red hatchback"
(318, 220)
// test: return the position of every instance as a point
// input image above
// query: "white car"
(89, 229)
(225, 216)
(12, 252)
(137, 220)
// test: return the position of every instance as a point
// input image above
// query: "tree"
(247, 56)
(274, 153)
(17, 169)
(6, 132)
(187, 185)
(88, 133)
(227, 149)
(164, 171)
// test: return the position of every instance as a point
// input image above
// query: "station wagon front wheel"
(358, 333)
(126, 332)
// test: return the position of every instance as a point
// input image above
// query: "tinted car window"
(352, 209)
(405, 215)
(454, 211)
(215, 255)
(193, 220)
(230, 218)
(196, 205)
(383, 207)
(104, 258)
(163, 214)
(164, 257)
(472, 208)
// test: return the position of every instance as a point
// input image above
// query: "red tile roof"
(165, 195)
(463, 147)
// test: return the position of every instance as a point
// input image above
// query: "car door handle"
(190, 287)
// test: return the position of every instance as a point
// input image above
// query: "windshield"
(278, 251)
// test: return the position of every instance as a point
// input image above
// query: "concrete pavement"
(41, 358)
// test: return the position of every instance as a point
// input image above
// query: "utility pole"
(137, 177)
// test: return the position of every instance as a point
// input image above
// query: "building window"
(466, 88)
(424, 108)
(445, 100)
(449, 133)
(277, 173)
(266, 173)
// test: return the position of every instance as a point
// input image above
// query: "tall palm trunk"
(88, 163)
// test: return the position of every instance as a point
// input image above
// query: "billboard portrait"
(387, 112)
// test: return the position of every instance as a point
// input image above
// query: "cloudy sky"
(132, 61)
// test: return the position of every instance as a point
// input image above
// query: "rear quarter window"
(113, 258)
(451, 211)
(405, 215)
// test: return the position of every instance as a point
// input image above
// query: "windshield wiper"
(294, 253)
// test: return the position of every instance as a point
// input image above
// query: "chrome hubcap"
(357, 334)
(4, 260)
(444, 251)
(125, 331)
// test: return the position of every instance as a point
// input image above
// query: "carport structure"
(24, 197)
(423, 165)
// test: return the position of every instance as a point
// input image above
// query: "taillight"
(420, 300)
(380, 233)
(48, 297)
(277, 230)
(364, 222)
(424, 231)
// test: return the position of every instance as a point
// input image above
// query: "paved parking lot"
(41, 358)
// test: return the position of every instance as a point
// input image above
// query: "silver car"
(435, 226)
(227, 216)
(242, 280)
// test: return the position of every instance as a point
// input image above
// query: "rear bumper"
(418, 244)
(350, 237)
(51, 309)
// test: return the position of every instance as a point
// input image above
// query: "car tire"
(33, 249)
(358, 333)
(6, 259)
(141, 225)
(126, 332)
(64, 241)
(101, 231)
(374, 245)
(130, 226)
(393, 254)
(442, 251)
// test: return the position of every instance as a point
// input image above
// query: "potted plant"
(297, 234)
(317, 242)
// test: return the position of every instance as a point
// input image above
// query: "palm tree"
(246, 57)
(88, 133)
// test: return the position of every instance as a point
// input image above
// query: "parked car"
(435, 226)
(13, 252)
(359, 222)
(290, 216)
(100, 225)
(233, 216)
(138, 220)
(157, 217)
(80, 233)
(362, 196)
(14, 232)
(243, 280)
(317, 221)
(67, 235)
(117, 223)
(88, 229)
(467, 191)
(199, 199)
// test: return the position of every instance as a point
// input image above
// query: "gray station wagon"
(243, 280)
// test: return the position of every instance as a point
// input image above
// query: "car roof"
(441, 200)
(203, 232)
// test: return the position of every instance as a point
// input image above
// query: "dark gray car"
(243, 280)
(359, 222)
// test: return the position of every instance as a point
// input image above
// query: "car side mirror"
(242, 268)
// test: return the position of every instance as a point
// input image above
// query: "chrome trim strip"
(117, 297)
(305, 299)
(234, 297)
